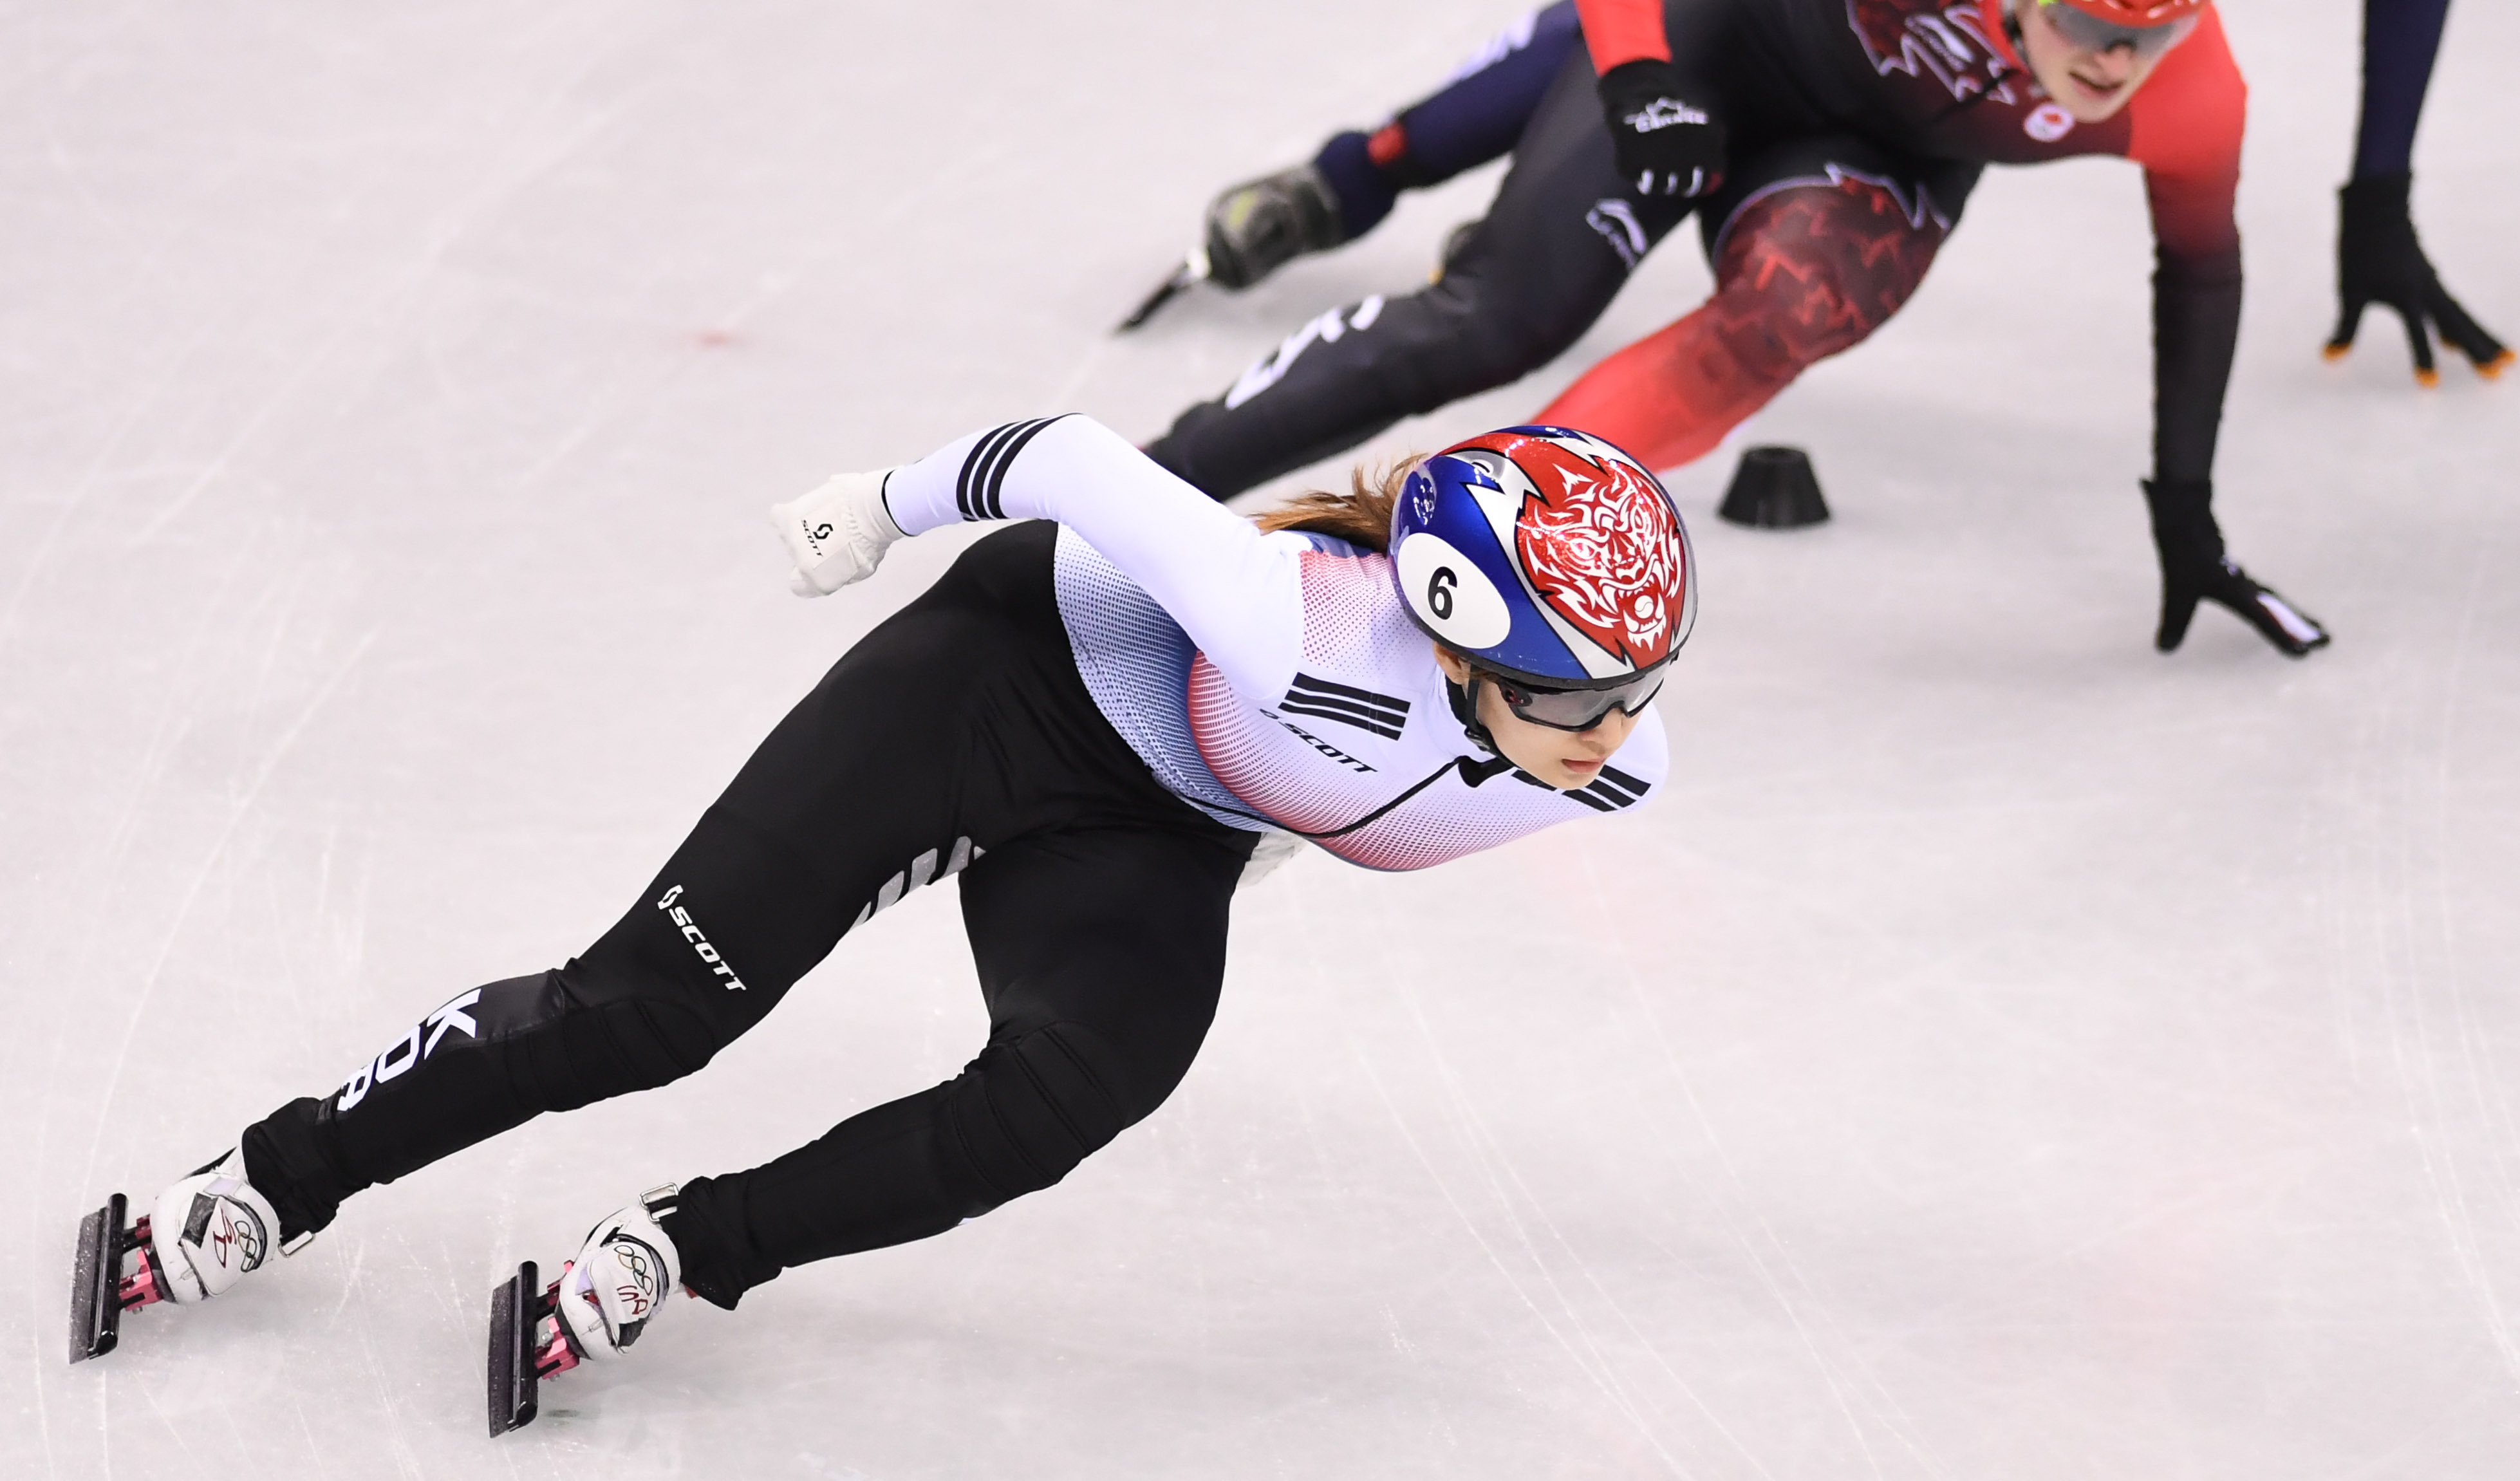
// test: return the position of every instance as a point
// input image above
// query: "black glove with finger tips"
(1664, 143)
(2379, 261)
(2194, 568)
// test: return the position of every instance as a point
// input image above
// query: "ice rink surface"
(2005, 1051)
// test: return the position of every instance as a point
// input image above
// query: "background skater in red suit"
(1826, 148)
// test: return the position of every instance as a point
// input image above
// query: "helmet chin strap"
(1465, 708)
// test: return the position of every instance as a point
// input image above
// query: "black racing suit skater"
(1097, 719)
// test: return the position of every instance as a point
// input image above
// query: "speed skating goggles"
(1576, 709)
(2087, 32)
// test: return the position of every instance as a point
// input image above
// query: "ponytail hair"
(1361, 516)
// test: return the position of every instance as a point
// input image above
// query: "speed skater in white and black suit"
(1099, 720)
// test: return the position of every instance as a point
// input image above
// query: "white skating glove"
(621, 1277)
(211, 1231)
(838, 533)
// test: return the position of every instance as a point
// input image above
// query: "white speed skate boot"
(210, 1231)
(620, 1278)
(200, 1238)
(601, 1304)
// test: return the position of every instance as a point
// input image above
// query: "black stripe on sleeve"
(972, 464)
(993, 475)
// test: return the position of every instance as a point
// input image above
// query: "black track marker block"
(1775, 488)
(96, 1283)
(514, 1308)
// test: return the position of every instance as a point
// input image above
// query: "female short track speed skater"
(1099, 720)
(1826, 148)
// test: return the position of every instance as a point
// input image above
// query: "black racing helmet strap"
(1465, 708)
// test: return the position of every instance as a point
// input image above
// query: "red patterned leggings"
(1804, 268)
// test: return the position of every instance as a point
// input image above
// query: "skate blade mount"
(521, 1356)
(100, 1292)
(1192, 272)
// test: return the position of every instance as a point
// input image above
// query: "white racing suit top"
(1272, 681)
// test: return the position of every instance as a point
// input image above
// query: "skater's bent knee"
(568, 1038)
(1810, 271)
(1029, 1109)
(611, 1049)
(1492, 337)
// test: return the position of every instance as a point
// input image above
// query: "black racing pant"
(956, 737)
(1555, 248)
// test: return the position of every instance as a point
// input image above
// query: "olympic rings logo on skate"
(245, 1235)
(639, 1262)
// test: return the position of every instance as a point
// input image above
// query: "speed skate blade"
(1182, 277)
(96, 1283)
(514, 1309)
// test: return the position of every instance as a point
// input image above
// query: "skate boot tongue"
(620, 1278)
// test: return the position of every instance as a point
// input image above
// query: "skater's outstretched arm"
(2186, 134)
(2400, 40)
(1237, 591)
(2378, 259)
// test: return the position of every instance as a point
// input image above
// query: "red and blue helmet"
(1546, 556)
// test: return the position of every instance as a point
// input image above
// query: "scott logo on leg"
(682, 918)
